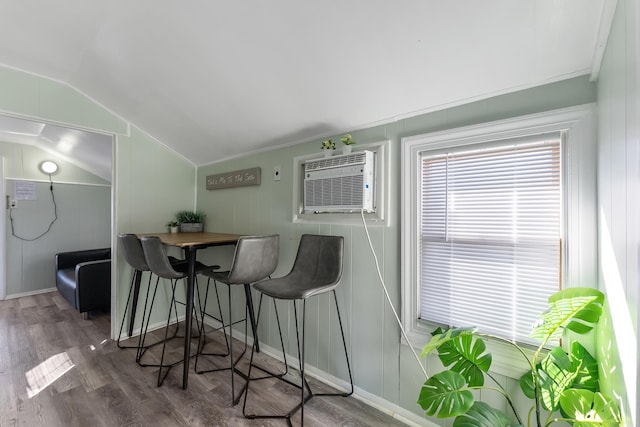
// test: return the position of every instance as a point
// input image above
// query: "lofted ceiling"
(214, 79)
(88, 150)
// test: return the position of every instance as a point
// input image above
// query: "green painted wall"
(33, 96)
(619, 209)
(383, 367)
(83, 205)
(152, 184)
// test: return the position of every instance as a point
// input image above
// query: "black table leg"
(191, 256)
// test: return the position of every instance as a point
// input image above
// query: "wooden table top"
(183, 240)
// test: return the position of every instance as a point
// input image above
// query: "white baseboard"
(152, 327)
(30, 293)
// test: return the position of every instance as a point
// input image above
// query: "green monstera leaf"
(587, 368)
(526, 383)
(589, 409)
(575, 309)
(441, 336)
(466, 355)
(559, 372)
(556, 373)
(445, 395)
(482, 415)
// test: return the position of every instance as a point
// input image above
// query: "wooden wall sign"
(241, 178)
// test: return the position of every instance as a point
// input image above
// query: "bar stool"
(255, 258)
(133, 254)
(160, 265)
(316, 270)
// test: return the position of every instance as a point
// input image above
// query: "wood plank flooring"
(57, 369)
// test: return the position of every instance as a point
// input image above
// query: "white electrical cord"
(55, 218)
(384, 287)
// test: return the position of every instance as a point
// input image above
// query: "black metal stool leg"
(161, 378)
(142, 347)
(233, 395)
(137, 277)
(126, 307)
(252, 317)
(135, 286)
(233, 359)
(284, 353)
(346, 353)
(302, 378)
(279, 375)
(201, 341)
(306, 392)
(145, 327)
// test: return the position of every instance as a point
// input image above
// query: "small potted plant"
(348, 141)
(191, 222)
(327, 147)
(173, 226)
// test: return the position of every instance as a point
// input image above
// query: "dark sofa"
(84, 279)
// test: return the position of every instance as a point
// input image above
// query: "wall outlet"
(277, 173)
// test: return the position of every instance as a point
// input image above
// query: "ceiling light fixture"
(48, 167)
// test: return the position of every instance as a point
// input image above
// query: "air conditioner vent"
(340, 184)
(336, 161)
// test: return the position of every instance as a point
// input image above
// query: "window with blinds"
(490, 234)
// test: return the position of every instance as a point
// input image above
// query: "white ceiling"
(214, 79)
(88, 150)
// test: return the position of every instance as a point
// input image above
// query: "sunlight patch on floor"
(47, 372)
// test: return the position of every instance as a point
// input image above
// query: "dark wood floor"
(57, 369)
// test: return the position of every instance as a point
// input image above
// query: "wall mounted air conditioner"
(340, 183)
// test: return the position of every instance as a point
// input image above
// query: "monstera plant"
(564, 384)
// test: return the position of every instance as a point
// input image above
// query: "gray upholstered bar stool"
(160, 265)
(317, 269)
(254, 259)
(133, 254)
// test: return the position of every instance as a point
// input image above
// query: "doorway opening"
(81, 190)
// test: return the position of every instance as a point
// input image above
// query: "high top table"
(190, 243)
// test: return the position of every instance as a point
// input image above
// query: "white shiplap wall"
(619, 207)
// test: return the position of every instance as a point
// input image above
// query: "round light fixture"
(49, 167)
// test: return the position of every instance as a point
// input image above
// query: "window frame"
(579, 220)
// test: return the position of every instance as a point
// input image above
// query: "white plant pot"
(327, 153)
(346, 149)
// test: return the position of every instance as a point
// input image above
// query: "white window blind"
(491, 234)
